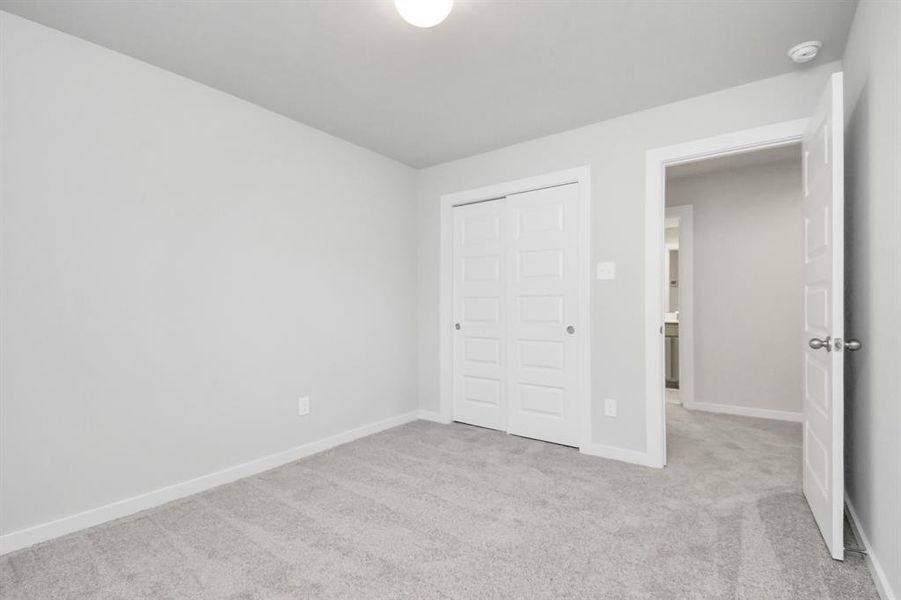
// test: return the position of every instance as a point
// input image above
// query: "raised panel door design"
(542, 400)
(541, 263)
(481, 268)
(515, 292)
(478, 309)
(480, 229)
(816, 308)
(482, 350)
(482, 390)
(541, 309)
(816, 385)
(823, 206)
(539, 219)
(543, 373)
(479, 370)
(541, 354)
(816, 232)
(816, 461)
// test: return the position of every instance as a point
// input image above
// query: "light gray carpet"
(451, 511)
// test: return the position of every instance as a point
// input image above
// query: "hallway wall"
(748, 276)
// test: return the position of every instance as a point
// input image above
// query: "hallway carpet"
(452, 511)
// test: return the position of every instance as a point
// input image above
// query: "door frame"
(685, 215)
(656, 161)
(580, 176)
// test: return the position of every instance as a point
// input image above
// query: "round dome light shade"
(424, 13)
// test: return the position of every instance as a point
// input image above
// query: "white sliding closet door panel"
(542, 308)
(479, 387)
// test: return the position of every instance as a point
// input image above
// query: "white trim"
(878, 573)
(579, 175)
(685, 216)
(45, 531)
(746, 411)
(431, 415)
(657, 160)
(622, 454)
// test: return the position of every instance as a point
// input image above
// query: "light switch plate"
(606, 270)
(609, 407)
(303, 405)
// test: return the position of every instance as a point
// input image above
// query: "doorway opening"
(733, 271)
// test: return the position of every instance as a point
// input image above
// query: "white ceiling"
(493, 74)
(791, 152)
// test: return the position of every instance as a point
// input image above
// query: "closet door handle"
(570, 329)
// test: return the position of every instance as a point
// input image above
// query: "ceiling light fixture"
(805, 51)
(424, 13)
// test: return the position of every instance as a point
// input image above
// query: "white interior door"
(542, 308)
(823, 454)
(479, 378)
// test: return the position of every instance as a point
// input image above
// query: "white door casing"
(516, 365)
(542, 308)
(480, 314)
(657, 160)
(823, 205)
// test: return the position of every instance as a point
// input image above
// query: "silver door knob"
(457, 326)
(570, 330)
(852, 345)
(817, 343)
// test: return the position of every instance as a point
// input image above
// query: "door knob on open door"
(817, 343)
(852, 345)
(570, 330)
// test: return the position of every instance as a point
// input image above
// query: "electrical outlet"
(606, 270)
(609, 407)
(303, 406)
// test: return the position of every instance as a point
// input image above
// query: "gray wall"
(178, 267)
(873, 277)
(748, 278)
(615, 151)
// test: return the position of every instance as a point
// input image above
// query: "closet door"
(542, 308)
(479, 390)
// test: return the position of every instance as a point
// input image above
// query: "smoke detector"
(805, 51)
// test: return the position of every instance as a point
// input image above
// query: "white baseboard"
(39, 533)
(745, 411)
(431, 415)
(878, 573)
(621, 454)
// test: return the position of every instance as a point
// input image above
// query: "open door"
(824, 341)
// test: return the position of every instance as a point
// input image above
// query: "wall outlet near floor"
(303, 405)
(609, 407)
